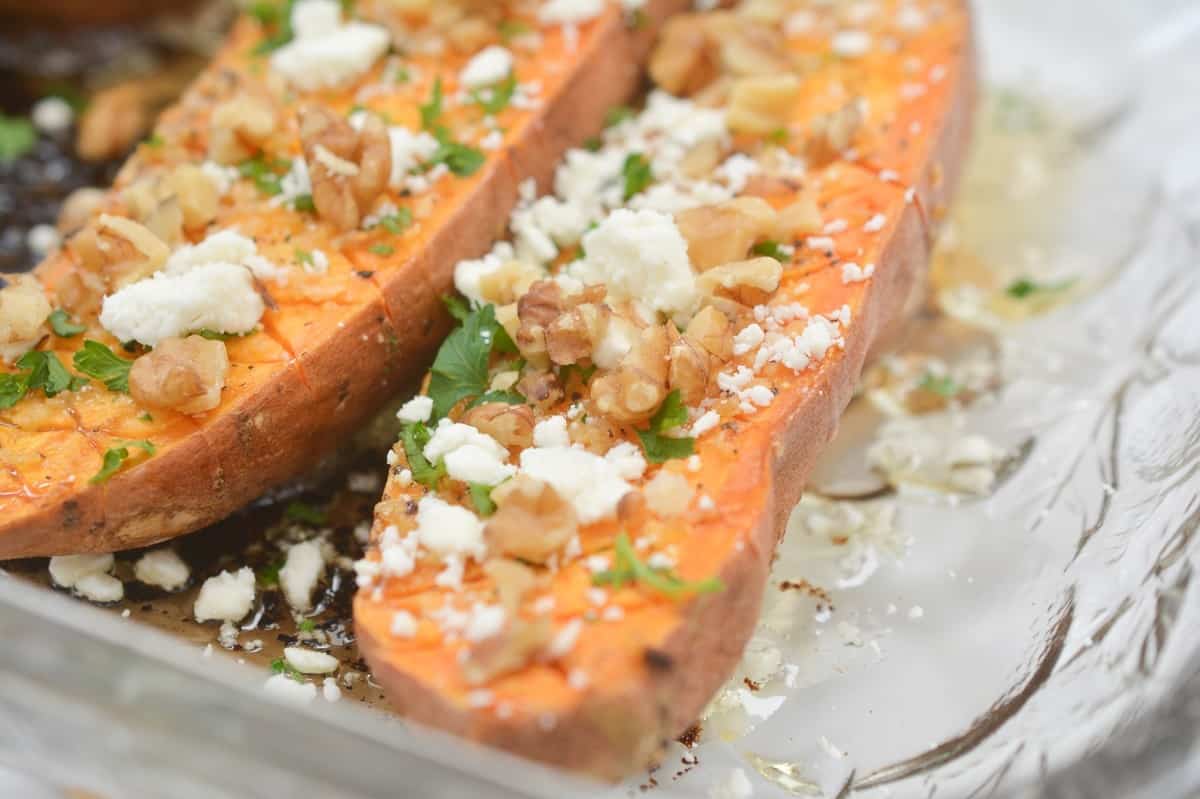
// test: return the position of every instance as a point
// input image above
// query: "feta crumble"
(227, 596)
(326, 52)
(417, 409)
(490, 65)
(302, 570)
(308, 661)
(162, 568)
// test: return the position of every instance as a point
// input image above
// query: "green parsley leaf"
(154, 141)
(60, 322)
(382, 250)
(1025, 287)
(268, 576)
(115, 457)
(266, 13)
(45, 372)
(593, 144)
(265, 172)
(303, 256)
(415, 436)
(637, 19)
(17, 137)
(629, 568)
(660, 447)
(431, 111)
(457, 306)
(215, 335)
(771, 249)
(460, 370)
(942, 385)
(13, 389)
(398, 222)
(779, 136)
(281, 20)
(637, 173)
(461, 159)
(305, 514)
(618, 114)
(304, 203)
(306, 626)
(281, 666)
(481, 498)
(98, 361)
(494, 99)
(146, 417)
(512, 28)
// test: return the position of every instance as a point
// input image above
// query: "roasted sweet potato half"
(579, 520)
(301, 209)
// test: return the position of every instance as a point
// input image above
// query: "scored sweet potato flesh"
(338, 337)
(596, 677)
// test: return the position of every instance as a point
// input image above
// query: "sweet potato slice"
(594, 657)
(358, 311)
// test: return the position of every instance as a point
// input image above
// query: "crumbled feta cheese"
(417, 409)
(216, 296)
(490, 65)
(564, 640)
(330, 690)
(875, 223)
(404, 625)
(301, 572)
(446, 529)
(325, 52)
(52, 115)
(100, 588)
(853, 273)
(569, 12)
(308, 661)
(227, 596)
(592, 484)
(628, 460)
(225, 247)
(640, 255)
(287, 689)
(851, 43)
(707, 421)
(162, 568)
(551, 432)
(409, 150)
(469, 455)
(747, 339)
(485, 622)
(469, 273)
(67, 570)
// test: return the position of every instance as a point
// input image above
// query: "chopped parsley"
(629, 568)
(303, 256)
(265, 172)
(39, 370)
(17, 137)
(277, 16)
(305, 514)
(771, 249)
(460, 370)
(307, 626)
(510, 397)
(415, 436)
(398, 222)
(382, 250)
(431, 112)
(495, 99)
(779, 136)
(618, 114)
(942, 385)
(216, 335)
(637, 174)
(281, 666)
(98, 361)
(304, 203)
(461, 159)
(456, 306)
(268, 576)
(60, 322)
(512, 28)
(481, 498)
(115, 457)
(1023, 288)
(660, 447)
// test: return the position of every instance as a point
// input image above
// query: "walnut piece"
(834, 134)
(749, 282)
(718, 234)
(181, 374)
(79, 207)
(762, 104)
(634, 390)
(507, 651)
(511, 425)
(239, 128)
(710, 330)
(532, 520)
(23, 312)
(687, 57)
(690, 366)
(348, 168)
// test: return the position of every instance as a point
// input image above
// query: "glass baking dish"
(1040, 641)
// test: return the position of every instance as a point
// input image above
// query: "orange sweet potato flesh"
(651, 671)
(336, 345)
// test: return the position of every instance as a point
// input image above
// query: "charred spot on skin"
(410, 507)
(751, 684)
(691, 736)
(71, 515)
(658, 659)
(365, 274)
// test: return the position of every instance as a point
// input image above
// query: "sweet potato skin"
(282, 422)
(617, 728)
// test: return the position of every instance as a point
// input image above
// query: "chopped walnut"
(114, 120)
(511, 425)
(710, 330)
(667, 494)
(536, 309)
(687, 57)
(749, 282)
(572, 336)
(197, 195)
(718, 234)
(532, 520)
(509, 282)
(541, 388)
(594, 433)
(762, 104)
(348, 168)
(509, 650)
(239, 128)
(185, 375)
(801, 218)
(689, 370)
(749, 48)
(834, 134)
(23, 312)
(634, 390)
(702, 159)
(119, 249)
(513, 580)
(79, 207)
(81, 292)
